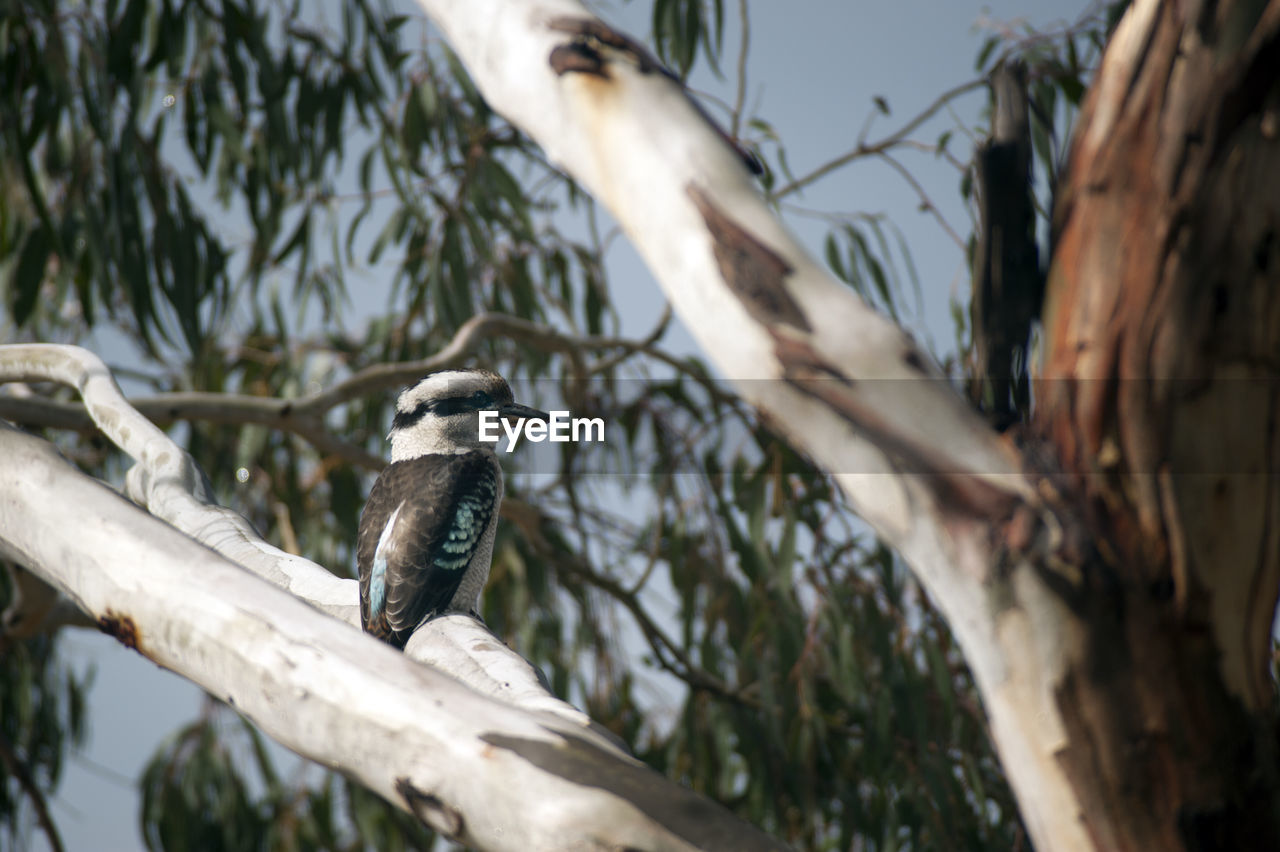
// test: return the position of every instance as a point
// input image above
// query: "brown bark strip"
(1159, 392)
(753, 271)
(580, 59)
(811, 374)
(592, 31)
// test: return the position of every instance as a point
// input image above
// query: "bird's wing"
(414, 549)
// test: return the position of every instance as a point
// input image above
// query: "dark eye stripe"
(405, 419)
(443, 408)
(453, 405)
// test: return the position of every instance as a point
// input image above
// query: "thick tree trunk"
(1160, 401)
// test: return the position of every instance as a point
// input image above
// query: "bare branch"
(925, 201)
(735, 276)
(865, 149)
(168, 481)
(304, 417)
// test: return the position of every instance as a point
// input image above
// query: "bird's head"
(441, 413)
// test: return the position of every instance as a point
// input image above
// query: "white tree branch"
(841, 381)
(525, 771)
(845, 383)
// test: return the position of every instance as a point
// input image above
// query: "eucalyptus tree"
(818, 693)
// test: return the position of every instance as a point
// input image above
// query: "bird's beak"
(516, 411)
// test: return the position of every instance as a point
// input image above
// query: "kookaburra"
(426, 533)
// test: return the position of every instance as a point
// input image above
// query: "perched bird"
(426, 534)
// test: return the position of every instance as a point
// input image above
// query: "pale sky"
(814, 68)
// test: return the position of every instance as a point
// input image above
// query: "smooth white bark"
(639, 144)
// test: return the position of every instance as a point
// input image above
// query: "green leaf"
(419, 118)
(943, 139)
(1072, 87)
(28, 273)
(832, 252)
(989, 44)
(298, 240)
(126, 41)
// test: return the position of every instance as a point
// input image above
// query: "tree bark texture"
(1159, 400)
(1007, 284)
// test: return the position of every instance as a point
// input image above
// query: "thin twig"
(863, 149)
(924, 197)
(475, 330)
(644, 345)
(304, 417)
(530, 518)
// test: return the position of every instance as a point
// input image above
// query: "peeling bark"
(755, 273)
(122, 629)
(1007, 284)
(1160, 398)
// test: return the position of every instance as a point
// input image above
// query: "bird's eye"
(481, 399)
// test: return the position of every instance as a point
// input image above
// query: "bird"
(426, 533)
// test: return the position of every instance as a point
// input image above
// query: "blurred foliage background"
(203, 186)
